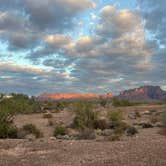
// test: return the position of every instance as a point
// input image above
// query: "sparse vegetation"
(32, 129)
(163, 120)
(47, 116)
(101, 124)
(60, 130)
(121, 103)
(7, 130)
(115, 118)
(131, 131)
(85, 116)
(87, 134)
(163, 117)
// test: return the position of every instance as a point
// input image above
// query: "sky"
(81, 46)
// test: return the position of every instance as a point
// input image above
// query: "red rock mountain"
(67, 96)
(144, 93)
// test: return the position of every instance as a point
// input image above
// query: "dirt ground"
(147, 148)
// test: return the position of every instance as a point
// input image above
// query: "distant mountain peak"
(68, 96)
(144, 93)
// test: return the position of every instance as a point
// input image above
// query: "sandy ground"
(147, 149)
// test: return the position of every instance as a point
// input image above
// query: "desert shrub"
(86, 134)
(103, 102)
(101, 124)
(162, 130)
(163, 120)
(121, 103)
(154, 120)
(7, 131)
(137, 114)
(47, 116)
(115, 118)
(20, 104)
(114, 137)
(60, 130)
(85, 116)
(147, 125)
(131, 131)
(50, 122)
(163, 117)
(32, 129)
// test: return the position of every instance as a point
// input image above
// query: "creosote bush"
(47, 116)
(121, 103)
(7, 130)
(32, 129)
(101, 124)
(87, 134)
(131, 131)
(60, 130)
(115, 118)
(85, 116)
(163, 117)
(163, 120)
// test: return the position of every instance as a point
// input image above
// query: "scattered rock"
(132, 116)
(107, 132)
(30, 137)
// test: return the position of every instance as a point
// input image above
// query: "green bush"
(6, 128)
(20, 104)
(103, 102)
(59, 130)
(31, 129)
(131, 131)
(86, 134)
(101, 124)
(163, 117)
(162, 131)
(47, 116)
(85, 116)
(122, 103)
(115, 118)
(8, 131)
(114, 137)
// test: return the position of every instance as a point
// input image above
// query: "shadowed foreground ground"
(146, 149)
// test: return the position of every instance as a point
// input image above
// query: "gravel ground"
(146, 149)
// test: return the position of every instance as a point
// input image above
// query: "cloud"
(114, 23)
(154, 13)
(55, 14)
(15, 68)
(118, 54)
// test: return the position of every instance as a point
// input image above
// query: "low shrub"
(85, 116)
(115, 118)
(31, 129)
(131, 131)
(8, 131)
(163, 118)
(154, 120)
(162, 130)
(86, 134)
(60, 130)
(114, 137)
(50, 122)
(47, 116)
(101, 124)
(121, 103)
(147, 125)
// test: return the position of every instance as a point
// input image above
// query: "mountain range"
(143, 93)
